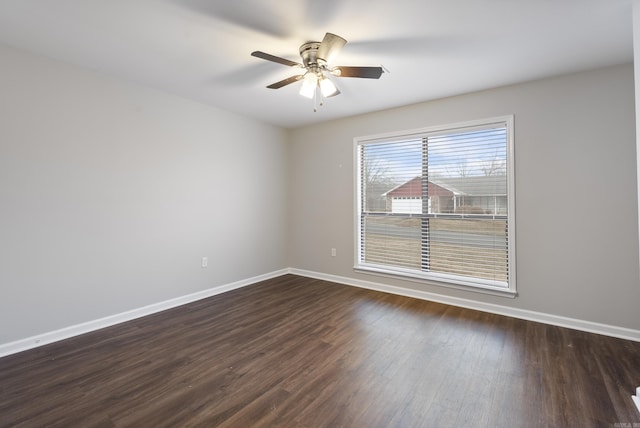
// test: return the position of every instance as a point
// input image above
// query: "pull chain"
(315, 99)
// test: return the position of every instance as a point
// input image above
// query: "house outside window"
(437, 205)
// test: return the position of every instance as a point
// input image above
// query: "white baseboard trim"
(576, 324)
(78, 329)
(636, 398)
(87, 327)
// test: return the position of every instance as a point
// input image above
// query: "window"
(437, 204)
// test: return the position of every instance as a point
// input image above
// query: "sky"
(471, 153)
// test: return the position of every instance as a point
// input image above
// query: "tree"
(377, 181)
(495, 166)
(460, 169)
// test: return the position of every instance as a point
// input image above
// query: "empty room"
(319, 213)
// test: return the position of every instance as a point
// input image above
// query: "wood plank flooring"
(299, 352)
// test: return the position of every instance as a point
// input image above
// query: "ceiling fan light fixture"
(327, 87)
(309, 85)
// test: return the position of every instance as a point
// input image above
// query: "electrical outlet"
(205, 262)
(333, 252)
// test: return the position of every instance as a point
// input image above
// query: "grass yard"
(399, 246)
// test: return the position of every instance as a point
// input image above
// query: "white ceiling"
(200, 49)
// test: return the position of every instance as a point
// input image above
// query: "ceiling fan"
(316, 59)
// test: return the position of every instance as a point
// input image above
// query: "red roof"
(413, 189)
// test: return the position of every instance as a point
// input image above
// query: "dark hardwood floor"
(294, 351)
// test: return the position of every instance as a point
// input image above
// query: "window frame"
(435, 278)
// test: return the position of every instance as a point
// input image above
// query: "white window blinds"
(437, 204)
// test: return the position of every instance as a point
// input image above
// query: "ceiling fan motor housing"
(309, 54)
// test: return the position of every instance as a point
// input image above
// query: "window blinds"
(436, 205)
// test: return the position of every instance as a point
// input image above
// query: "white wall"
(110, 194)
(576, 195)
(636, 63)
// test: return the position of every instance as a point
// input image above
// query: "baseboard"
(636, 398)
(576, 324)
(78, 329)
(87, 327)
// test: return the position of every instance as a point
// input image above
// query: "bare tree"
(375, 172)
(495, 166)
(460, 169)
(377, 182)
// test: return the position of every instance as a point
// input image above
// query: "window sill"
(439, 281)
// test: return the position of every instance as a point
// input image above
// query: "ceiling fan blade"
(365, 72)
(330, 46)
(285, 82)
(269, 57)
